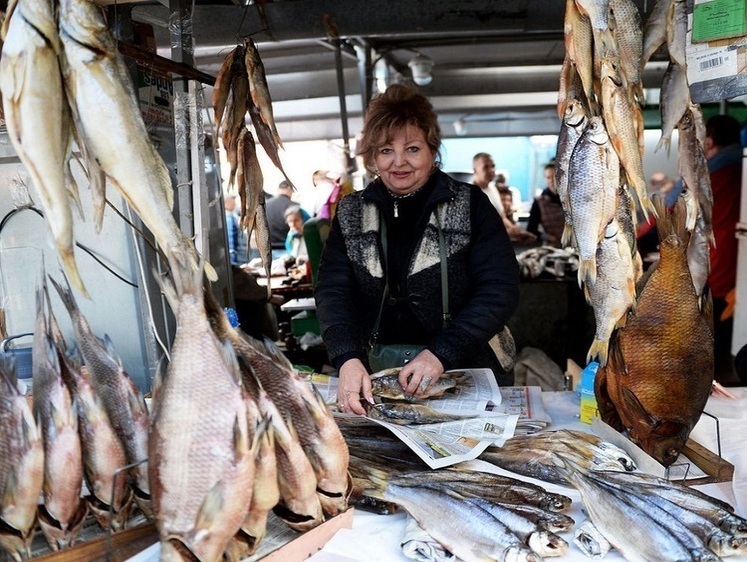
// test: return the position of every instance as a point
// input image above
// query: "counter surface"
(376, 538)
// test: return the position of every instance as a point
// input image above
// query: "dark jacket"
(275, 209)
(482, 269)
(547, 211)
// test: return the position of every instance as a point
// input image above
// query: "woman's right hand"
(354, 381)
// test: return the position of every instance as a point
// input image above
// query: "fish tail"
(664, 142)
(673, 223)
(66, 294)
(567, 236)
(71, 267)
(186, 270)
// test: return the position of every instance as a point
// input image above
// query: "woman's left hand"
(420, 373)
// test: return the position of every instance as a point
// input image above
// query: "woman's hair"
(292, 210)
(392, 111)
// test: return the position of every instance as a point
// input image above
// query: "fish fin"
(168, 290)
(273, 351)
(209, 511)
(229, 357)
(158, 378)
(636, 408)
(210, 272)
(587, 271)
(111, 350)
(599, 350)
(566, 239)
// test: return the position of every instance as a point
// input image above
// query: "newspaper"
(488, 420)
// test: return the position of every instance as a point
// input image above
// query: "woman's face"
(405, 162)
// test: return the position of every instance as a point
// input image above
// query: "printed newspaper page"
(490, 417)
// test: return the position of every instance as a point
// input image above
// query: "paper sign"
(719, 19)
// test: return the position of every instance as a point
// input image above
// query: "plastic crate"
(20, 354)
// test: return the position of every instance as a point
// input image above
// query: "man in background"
(276, 208)
(547, 212)
(723, 150)
(233, 232)
(483, 168)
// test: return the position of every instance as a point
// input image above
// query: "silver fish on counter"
(465, 529)
(21, 467)
(408, 413)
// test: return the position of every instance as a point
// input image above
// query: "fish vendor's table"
(376, 538)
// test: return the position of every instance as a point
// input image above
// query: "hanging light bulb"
(421, 66)
(460, 127)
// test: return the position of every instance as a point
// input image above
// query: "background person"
(411, 198)
(546, 218)
(483, 168)
(723, 151)
(234, 232)
(276, 208)
(294, 242)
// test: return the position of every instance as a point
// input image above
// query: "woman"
(409, 207)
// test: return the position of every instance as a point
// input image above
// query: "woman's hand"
(420, 373)
(354, 381)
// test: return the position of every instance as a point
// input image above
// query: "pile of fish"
(547, 260)
(394, 406)
(535, 455)
(241, 88)
(654, 376)
(62, 80)
(236, 433)
(474, 515)
(652, 519)
(88, 422)
(21, 467)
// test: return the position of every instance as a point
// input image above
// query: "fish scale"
(122, 399)
(659, 376)
(21, 466)
(201, 449)
(593, 181)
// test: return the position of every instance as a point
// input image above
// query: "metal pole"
(349, 161)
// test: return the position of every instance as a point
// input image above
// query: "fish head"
(610, 71)
(575, 115)
(595, 131)
(665, 440)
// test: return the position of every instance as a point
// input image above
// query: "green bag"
(388, 356)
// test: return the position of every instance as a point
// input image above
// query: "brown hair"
(392, 111)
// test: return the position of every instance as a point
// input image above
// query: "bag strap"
(444, 277)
